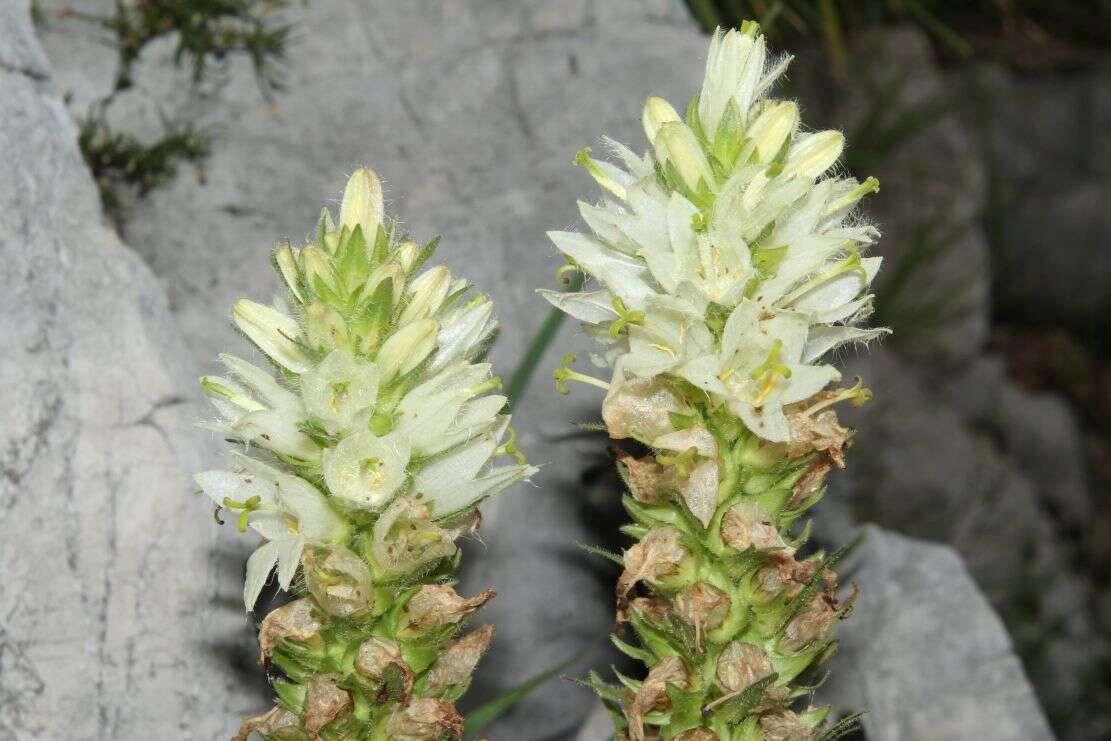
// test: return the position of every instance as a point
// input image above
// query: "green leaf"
(632, 651)
(486, 713)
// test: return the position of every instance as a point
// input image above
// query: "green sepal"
(352, 261)
(802, 599)
(425, 252)
(608, 692)
(842, 728)
(729, 139)
(694, 122)
(632, 651)
(606, 554)
(291, 695)
(734, 709)
(657, 638)
(686, 711)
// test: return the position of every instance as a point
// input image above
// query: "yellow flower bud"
(275, 333)
(775, 125)
(676, 144)
(657, 112)
(362, 203)
(286, 261)
(407, 348)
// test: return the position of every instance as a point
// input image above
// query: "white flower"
(339, 390)
(365, 469)
(286, 510)
(727, 256)
(257, 410)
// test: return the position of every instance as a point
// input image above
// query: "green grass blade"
(487, 712)
(521, 377)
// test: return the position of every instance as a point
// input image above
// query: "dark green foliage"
(982, 28)
(118, 159)
(207, 33)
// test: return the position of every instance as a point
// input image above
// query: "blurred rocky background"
(205, 133)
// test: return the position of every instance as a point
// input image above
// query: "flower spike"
(728, 263)
(366, 457)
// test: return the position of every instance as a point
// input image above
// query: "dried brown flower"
(437, 605)
(424, 719)
(458, 661)
(294, 620)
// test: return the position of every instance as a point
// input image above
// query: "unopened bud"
(775, 125)
(275, 333)
(813, 154)
(324, 327)
(676, 144)
(338, 580)
(427, 294)
(316, 265)
(407, 348)
(657, 112)
(407, 254)
(362, 203)
(286, 261)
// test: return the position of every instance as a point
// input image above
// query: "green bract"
(728, 262)
(368, 447)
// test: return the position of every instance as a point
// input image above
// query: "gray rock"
(1041, 433)
(924, 653)
(1045, 136)
(111, 589)
(918, 468)
(21, 51)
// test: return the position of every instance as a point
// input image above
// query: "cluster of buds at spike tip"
(726, 265)
(363, 452)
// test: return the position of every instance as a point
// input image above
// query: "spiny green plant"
(729, 265)
(206, 32)
(117, 159)
(366, 452)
